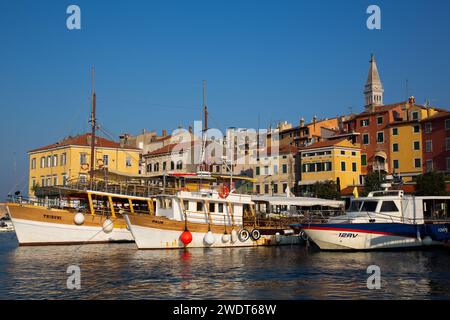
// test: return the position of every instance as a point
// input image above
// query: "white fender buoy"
(427, 241)
(108, 226)
(234, 236)
(277, 237)
(226, 238)
(78, 219)
(209, 238)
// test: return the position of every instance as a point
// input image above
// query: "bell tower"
(373, 90)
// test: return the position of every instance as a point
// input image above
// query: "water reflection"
(122, 272)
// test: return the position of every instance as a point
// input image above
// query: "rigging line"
(18, 184)
(111, 137)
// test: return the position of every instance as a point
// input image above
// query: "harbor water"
(119, 271)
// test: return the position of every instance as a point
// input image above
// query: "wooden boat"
(204, 219)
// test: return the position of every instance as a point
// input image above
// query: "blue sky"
(272, 60)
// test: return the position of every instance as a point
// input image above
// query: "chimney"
(302, 122)
(190, 129)
(164, 133)
(314, 121)
(412, 100)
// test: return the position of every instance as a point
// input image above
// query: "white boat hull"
(154, 238)
(43, 233)
(334, 240)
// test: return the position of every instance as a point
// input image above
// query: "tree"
(372, 182)
(326, 190)
(431, 184)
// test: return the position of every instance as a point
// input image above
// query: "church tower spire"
(373, 90)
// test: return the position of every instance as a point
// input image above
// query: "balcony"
(380, 166)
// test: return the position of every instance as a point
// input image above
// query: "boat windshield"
(366, 205)
(369, 206)
(355, 206)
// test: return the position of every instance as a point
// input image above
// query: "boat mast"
(93, 126)
(205, 128)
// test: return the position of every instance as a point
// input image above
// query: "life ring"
(244, 235)
(85, 166)
(255, 234)
(224, 192)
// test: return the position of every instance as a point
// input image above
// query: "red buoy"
(186, 237)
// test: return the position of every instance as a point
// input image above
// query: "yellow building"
(332, 160)
(406, 141)
(70, 159)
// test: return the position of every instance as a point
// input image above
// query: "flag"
(355, 193)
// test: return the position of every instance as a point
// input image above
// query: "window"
(447, 143)
(266, 170)
(64, 179)
(212, 207)
(284, 168)
(448, 164)
(342, 166)
(428, 146)
(364, 159)
(396, 164)
(369, 206)
(164, 166)
(179, 165)
(388, 206)
(416, 145)
(105, 160)
(156, 167)
(83, 158)
(64, 159)
(266, 189)
(257, 171)
(327, 166)
(43, 162)
(428, 128)
(55, 180)
(416, 128)
(364, 123)
(42, 181)
(220, 206)
(342, 152)
(275, 188)
(199, 206)
(429, 165)
(49, 161)
(149, 168)
(395, 131)
(33, 163)
(83, 178)
(55, 161)
(417, 163)
(172, 165)
(128, 161)
(365, 138)
(275, 169)
(447, 124)
(353, 153)
(380, 137)
(284, 187)
(395, 147)
(354, 166)
(49, 181)
(415, 115)
(379, 120)
(258, 189)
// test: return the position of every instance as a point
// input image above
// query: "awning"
(298, 201)
(311, 182)
(381, 154)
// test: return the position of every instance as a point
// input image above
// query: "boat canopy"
(298, 201)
